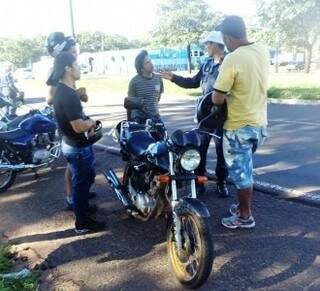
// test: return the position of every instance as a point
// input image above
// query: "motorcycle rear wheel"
(193, 264)
(7, 177)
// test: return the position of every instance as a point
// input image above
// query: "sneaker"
(222, 189)
(234, 209)
(89, 226)
(236, 221)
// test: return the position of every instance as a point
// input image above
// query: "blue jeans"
(82, 163)
(238, 148)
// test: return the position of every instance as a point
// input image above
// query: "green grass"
(305, 93)
(6, 265)
(282, 85)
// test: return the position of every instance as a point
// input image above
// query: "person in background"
(57, 42)
(148, 87)
(8, 81)
(205, 79)
(78, 151)
(243, 83)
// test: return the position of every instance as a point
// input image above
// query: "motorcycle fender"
(196, 206)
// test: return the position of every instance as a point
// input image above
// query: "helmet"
(57, 42)
(97, 133)
(210, 116)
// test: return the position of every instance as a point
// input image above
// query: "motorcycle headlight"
(190, 160)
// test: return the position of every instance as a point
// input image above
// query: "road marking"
(294, 122)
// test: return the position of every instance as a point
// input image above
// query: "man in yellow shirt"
(242, 82)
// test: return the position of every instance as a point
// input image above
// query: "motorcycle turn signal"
(202, 179)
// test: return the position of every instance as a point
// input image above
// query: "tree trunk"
(189, 57)
(308, 58)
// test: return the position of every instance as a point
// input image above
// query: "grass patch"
(5, 261)
(282, 85)
(29, 283)
(311, 93)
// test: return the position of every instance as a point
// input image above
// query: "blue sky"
(132, 18)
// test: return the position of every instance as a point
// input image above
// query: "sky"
(131, 18)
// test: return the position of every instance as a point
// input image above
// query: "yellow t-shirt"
(244, 74)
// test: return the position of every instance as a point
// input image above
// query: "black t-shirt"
(67, 107)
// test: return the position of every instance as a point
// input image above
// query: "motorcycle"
(27, 142)
(159, 180)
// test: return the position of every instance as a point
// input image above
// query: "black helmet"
(97, 133)
(210, 117)
(57, 42)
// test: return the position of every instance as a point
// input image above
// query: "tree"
(182, 22)
(22, 51)
(292, 23)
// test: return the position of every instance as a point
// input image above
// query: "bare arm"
(82, 126)
(49, 97)
(218, 98)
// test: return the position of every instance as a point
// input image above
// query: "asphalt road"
(290, 156)
(281, 253)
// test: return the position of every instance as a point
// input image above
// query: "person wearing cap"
(76, 147)
(205, 79)
(148, 87)
(242, 82)
(57, 42)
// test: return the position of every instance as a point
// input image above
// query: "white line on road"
(294, 122)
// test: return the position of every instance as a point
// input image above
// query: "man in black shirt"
(74, 127)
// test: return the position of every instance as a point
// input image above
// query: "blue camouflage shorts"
(238, 149)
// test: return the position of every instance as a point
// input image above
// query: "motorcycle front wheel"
(192, 264)
(7, 177)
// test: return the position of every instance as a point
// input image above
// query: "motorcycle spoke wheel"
(193, 263)
(6, 177)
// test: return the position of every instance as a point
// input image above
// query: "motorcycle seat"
(139, 142)
(13, 134)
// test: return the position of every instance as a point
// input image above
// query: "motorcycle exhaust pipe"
(7, 167)
(117, 187)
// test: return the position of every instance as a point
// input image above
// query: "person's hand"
(91, 132)
(82, 94)
(168, 75)
(92, 123)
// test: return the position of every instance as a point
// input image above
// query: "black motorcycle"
(159, 180)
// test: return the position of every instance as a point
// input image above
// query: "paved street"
(281, 253)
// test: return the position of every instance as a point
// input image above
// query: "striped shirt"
(149, 90)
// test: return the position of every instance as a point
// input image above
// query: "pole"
(71, 18)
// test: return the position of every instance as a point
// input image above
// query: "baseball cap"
(63, 60)
(214, 36)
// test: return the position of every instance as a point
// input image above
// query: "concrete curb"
(264, 187)
(293, 101)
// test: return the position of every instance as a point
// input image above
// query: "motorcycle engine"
(40, 152)
(140, 194)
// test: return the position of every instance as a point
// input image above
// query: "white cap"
(214, 36)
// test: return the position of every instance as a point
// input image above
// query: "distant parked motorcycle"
(27, 142)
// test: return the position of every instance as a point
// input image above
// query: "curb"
(264, 187)
(293, 101)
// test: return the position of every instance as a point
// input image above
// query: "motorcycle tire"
(11, 177)
(201, 266)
